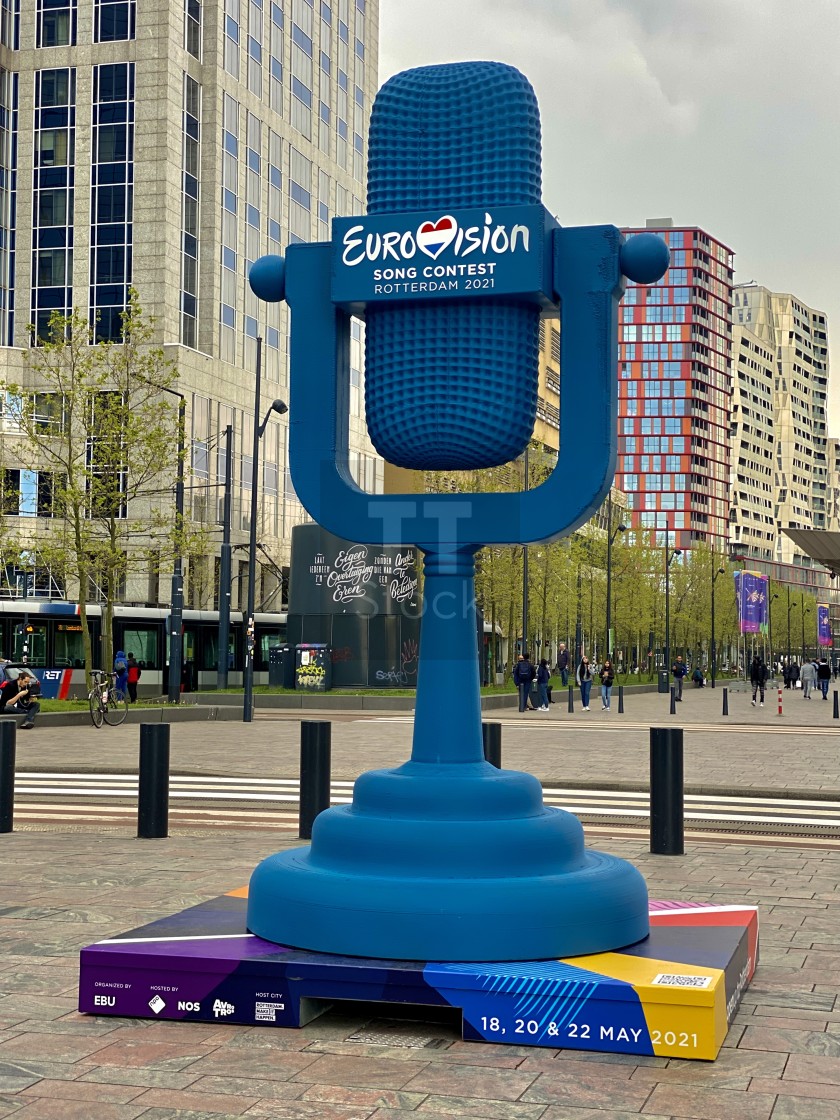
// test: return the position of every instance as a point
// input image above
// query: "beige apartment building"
(781, 470)
(165, 145)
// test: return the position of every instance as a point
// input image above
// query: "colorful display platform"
(673, 994)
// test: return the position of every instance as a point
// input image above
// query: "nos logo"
(186, 1005)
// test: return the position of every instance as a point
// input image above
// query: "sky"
(723, 114)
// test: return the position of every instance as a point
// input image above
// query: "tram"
(52, 632)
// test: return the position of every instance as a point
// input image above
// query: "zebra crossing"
(198, 801)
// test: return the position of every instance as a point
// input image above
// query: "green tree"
(96, 419)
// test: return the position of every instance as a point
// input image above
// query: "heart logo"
(434, 237)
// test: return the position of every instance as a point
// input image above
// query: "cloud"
(720, 114)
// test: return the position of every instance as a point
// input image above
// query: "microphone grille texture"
(452, 384)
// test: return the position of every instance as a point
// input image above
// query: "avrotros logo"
(433, 237)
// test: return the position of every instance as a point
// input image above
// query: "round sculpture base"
(451, 863)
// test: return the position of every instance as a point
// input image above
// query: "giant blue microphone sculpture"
(446, 858)
(449, 383)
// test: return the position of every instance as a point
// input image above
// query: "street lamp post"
(611, 535)
(789, 608)
(259, 428)
(225, 567)
(669, 557)
(713, 651)
(176, 610)
(525, 572)
(770, 624)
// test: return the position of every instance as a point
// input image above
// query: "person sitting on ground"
(697, 677)
(21, 694)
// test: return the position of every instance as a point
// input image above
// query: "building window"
(232, 38)
(8, 201)
(52, 202)
(230, 242)
(112, 188)
(113, 20)
(10, 23)
(300, 198)
(192, 27)
(191, 139)
(56, 23)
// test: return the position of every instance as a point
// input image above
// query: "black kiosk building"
(359, 601)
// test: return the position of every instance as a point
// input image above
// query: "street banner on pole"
(823, 624)
(751, 592)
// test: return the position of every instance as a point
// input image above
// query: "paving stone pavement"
(751, 749)
(60, 891)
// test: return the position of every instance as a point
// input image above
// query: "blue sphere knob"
(267, 277)
(644, 258)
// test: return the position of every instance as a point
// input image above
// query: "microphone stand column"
(248, 703)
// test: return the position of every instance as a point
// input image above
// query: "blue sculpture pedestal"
(446, 857)
(672, 994)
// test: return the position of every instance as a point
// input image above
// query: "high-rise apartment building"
(675, 343)
(165, 145)
(782, 369)
(752, 512)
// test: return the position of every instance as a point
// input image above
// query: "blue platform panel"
(672, 994)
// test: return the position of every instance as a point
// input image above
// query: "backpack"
(120, 666)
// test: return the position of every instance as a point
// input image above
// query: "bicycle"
(106, 703)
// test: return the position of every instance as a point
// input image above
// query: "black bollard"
(315, 761)
(666, 791)
(491, 735)
(621, 699)
(153, 787)
(571, 700)
(673, 701)
(836, 706)
(725, 701)
(8, 731)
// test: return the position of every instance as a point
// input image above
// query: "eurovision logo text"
(431, 238)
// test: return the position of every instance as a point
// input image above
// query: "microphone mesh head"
(452, 384)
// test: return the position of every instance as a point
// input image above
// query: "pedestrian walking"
(583, 676)
(758, 679)
(794, 675)
(607, 676)
(523, 673)
(679, 670)
(543, 677)
(21, 693)
(823, 677)
(133, 675)
(121, 673)
(808, 676)
(563, 664)
(786, 674)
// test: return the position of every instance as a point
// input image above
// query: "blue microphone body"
(451, 384)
